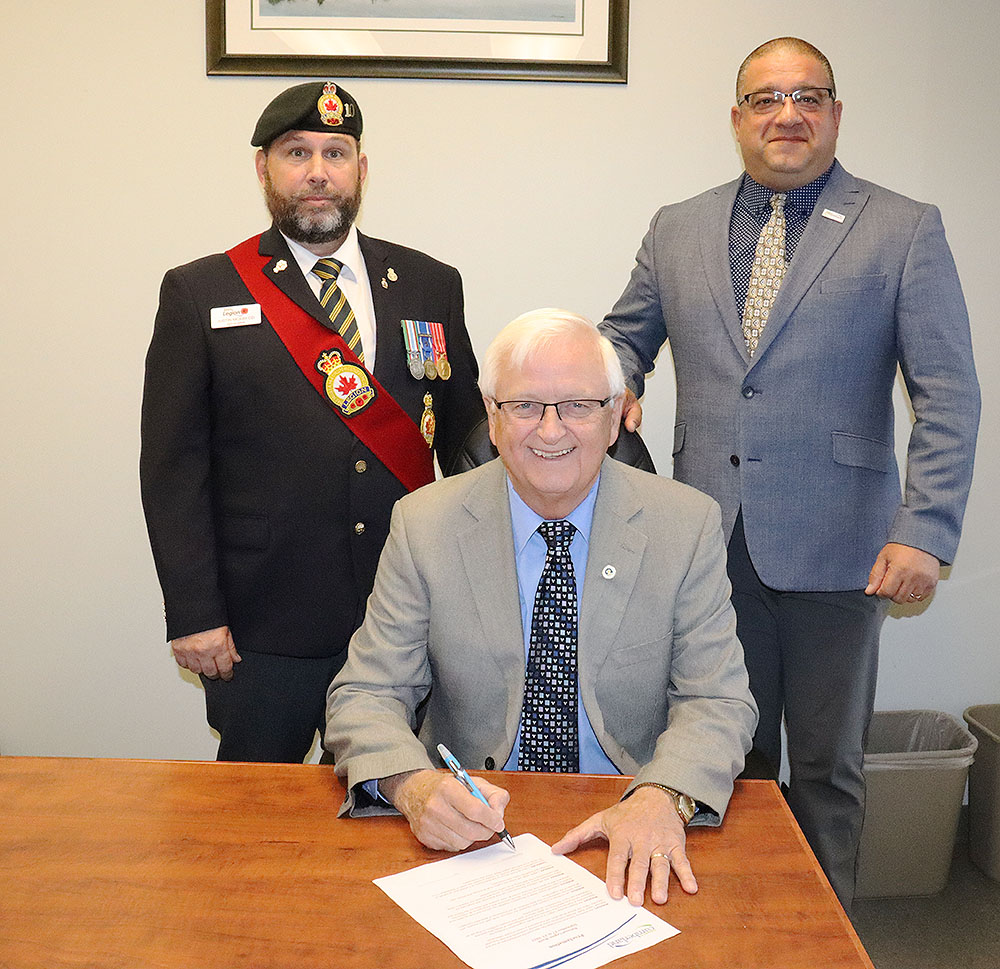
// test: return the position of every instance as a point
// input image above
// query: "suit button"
(359, 529)
(361, 467)
(734, 460)
(490, 764)
(748, 392)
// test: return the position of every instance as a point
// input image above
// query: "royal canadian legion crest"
(347, 386)
(330, 107)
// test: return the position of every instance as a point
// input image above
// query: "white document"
(525, 909)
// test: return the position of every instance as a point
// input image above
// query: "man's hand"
(442, 813)
(904, 574)
(631, 411)
(643, 832)
(211, 653)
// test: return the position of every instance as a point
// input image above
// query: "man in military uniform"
(267, 500)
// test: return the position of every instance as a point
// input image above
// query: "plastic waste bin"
(916, 764)
(984, 789)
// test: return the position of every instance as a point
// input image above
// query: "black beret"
(313, 106)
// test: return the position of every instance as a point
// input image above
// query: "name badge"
(223, 316)
(832, 216)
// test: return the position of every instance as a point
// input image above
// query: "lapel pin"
(280, 266)
(609, 572)
(833, 216)
(385, 285)
(392, 275)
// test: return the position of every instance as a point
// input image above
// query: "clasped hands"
(645, 836)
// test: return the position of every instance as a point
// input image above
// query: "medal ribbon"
(412, 342)
(437, 336)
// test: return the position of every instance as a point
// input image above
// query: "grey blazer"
(661, 670)
(801, 435)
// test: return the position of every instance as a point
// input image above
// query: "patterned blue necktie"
(549, 736)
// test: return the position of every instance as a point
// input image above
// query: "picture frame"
(523, 40)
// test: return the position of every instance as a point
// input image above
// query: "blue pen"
(463, 778)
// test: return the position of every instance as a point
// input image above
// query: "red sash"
(354, 395)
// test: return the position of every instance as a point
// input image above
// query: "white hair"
(532, 333)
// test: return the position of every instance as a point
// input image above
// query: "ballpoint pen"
(463, 778)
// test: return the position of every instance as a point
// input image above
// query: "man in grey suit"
(476, 637)
(789, 296)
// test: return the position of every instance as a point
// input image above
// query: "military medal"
(426, 348)
(414, 358)
(440, 355)
(427, 421)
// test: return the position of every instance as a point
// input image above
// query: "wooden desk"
(135, 864)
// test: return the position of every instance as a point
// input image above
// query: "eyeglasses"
(569, 411)
(806, 99)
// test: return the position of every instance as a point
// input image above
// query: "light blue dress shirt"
(529, 559)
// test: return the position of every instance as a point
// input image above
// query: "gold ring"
(660, 854)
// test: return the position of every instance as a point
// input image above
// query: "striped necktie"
(549, 729)
(335, 303)
(766, 275)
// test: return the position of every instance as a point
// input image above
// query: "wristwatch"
(685, 805)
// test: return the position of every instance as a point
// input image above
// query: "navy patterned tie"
(549, 736)
(335, 303)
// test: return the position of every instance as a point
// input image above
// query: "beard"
(306, 225)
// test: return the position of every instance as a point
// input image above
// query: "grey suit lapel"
(714, 242)
(615, 554)
(487, 550)
(843, 195)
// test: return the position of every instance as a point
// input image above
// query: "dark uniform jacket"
(265, 513)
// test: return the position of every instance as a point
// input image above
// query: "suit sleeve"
(935, 353)
(712, 713)
(174, 465)
(464, 404)
(636, 325)
(372, 703)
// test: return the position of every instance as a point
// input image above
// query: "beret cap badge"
(321, 106)
(331, 108)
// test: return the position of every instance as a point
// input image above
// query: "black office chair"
(478, 449)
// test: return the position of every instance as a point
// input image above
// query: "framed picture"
(525, 40)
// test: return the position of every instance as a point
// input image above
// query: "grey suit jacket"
(660, 668)
(801, 435)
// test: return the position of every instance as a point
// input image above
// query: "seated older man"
(557, 611)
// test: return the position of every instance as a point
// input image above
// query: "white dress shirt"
(353, 282)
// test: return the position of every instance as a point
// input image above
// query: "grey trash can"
(984, 789)
(916, 764)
